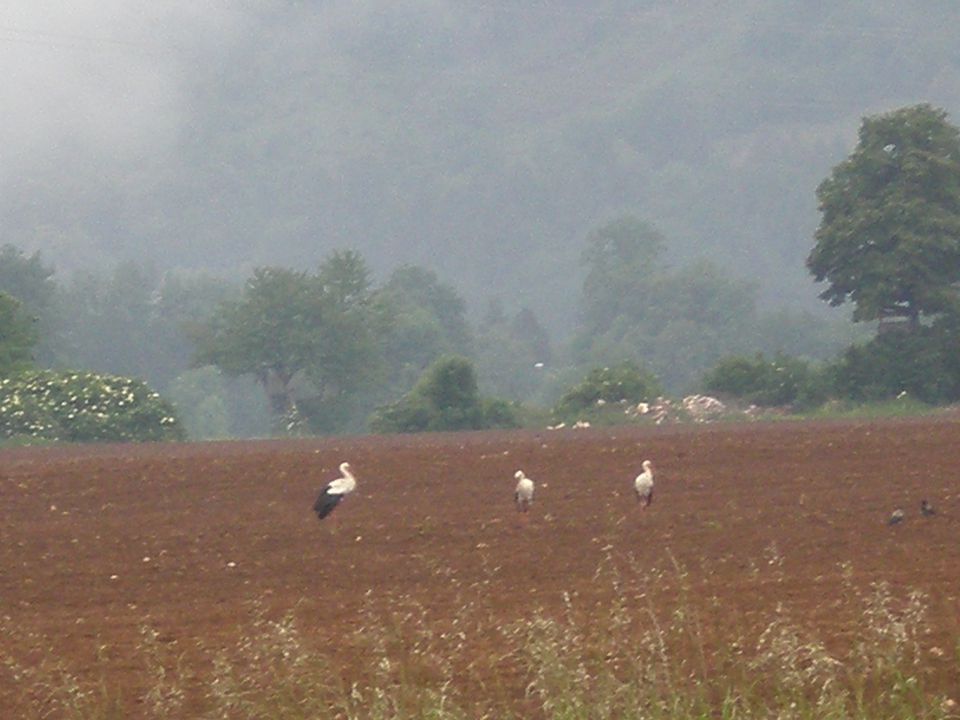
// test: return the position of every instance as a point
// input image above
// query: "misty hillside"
(482, 140)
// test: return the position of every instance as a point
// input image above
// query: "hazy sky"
(114, 75)
(104, 74)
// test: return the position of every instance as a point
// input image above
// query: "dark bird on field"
(335, 491)
(926, 509)
(895, 517)
(643, 485)
(523, 495)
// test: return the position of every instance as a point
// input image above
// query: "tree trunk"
(279, 395)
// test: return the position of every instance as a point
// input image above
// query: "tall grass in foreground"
(584, 658)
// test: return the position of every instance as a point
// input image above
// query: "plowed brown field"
(97, 542)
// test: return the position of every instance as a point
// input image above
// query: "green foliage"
(449, 383)
(17, 336)
(309, 340)
(889, 237)
(921, 364)
(26, 291)
(444, 398)
(29, 281)
(498, 413)
(84, 407)
(625, 382)
(270, 329)
(344, 279)
(679, 322)
(774, 382)
(420, 318)
(946, 338)
(676, 322)
(415, 286)
(347, 352)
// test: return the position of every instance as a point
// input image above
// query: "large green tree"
(889, 236)
(308, 339)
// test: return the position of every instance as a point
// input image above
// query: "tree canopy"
(307, 338)
(889, 236)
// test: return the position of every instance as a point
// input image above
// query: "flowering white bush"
(82, 407)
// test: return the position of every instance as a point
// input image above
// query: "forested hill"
(483, 140)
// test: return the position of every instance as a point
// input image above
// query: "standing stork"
(523, 495)
(335, 491)
(643, 485)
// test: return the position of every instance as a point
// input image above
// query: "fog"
(105, 81)
(481, 140)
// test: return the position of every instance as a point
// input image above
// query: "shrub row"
(84, 407)
(924, 364)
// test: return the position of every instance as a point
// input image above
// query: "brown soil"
(97, 542)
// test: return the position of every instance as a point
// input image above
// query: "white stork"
(335, 491)
(523, 495)
(643, 485)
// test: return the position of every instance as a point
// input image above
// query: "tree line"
(330, 350)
